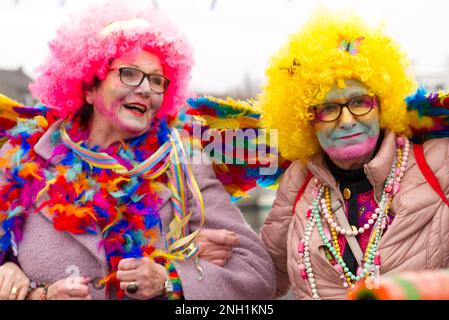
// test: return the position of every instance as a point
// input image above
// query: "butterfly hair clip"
(292, 69)
(351, 46)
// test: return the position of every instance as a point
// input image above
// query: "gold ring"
(13, 290)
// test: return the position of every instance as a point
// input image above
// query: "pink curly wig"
(81, 52)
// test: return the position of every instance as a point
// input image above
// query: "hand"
(72, 288)
(148, 275)
(216, 245)
(11, 276)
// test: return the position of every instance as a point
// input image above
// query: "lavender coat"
(47, 255)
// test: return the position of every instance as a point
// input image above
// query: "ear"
(90, 94)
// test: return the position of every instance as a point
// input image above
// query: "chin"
(352, 151)
(134, 129)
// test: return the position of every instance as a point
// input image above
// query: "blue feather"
(418, 101)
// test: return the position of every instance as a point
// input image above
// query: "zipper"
(371, 180)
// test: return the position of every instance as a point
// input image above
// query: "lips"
(351, 136)
(137, 108)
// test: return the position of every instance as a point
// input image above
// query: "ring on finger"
(14, 290)
(132, 287)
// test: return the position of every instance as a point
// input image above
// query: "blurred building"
(14, 84)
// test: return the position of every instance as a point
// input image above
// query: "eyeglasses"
(359, 106)
(134, 77)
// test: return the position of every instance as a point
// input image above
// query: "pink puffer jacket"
(418, 238)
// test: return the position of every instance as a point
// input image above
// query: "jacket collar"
(376, 170)
(45, 147)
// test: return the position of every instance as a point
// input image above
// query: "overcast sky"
(234, 38)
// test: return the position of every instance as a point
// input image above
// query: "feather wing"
(243, 163)
(429, 114)
(11, 110)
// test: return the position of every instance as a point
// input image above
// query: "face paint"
(349, 137)
(118, 107)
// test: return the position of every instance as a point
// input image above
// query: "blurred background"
(233, 41)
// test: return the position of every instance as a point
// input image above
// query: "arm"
(14, 283)
(275, 229)
(249, 273)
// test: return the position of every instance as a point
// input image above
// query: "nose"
(144, 88)
(347, 120)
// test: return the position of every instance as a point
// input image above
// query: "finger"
(88, 297)
(217, 254)
(80, 291)
(125, 284)
(219, 262)
(223, 237)
(75, 283)
(86, 280)
(210, 247)
(13, 295)
(129, 264)
(212, 250)
(6, 289)
(22, 293)
(128, 275)
(2, 278)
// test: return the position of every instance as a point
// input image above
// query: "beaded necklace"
(320, 214)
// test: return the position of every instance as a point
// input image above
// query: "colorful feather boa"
(429, 113)
(84, 198)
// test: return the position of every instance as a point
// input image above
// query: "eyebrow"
(352, 96)
(127, 65)
(357, 94)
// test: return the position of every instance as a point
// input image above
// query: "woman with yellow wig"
(355, 202)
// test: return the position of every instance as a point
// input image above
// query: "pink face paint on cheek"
(353, 151)
(107, 112)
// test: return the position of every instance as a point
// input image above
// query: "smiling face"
(350, 137)
(121, 109)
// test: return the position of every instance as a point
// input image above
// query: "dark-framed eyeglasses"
(358, 106)
(134, 77)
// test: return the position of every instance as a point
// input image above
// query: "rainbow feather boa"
(82, 198)
(429, 112)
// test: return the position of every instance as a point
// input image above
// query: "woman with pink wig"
(98, 200)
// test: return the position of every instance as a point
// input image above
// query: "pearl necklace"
(320, 212)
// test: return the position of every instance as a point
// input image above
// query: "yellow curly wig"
(302, 73)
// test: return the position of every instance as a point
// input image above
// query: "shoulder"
(431, 144)
(436, 152)
(294, 178)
